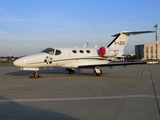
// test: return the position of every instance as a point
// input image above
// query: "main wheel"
(98, 73)
(71, 71)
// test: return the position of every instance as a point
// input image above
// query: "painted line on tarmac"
(135, 85)
(26, 77)
(15, 77)
(77, 98)
(141, 71)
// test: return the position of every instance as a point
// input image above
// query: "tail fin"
(121, 39)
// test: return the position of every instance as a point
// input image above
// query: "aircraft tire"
(98, 74)
(71, 71)
(36, 75)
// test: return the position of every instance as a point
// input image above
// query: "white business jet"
(77, 58)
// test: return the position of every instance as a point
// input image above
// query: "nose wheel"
(35, 75)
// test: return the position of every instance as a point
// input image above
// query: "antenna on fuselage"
(86, 45)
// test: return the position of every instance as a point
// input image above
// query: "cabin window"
(58, 52)
(81, 51)
(74, 51)
(49, 51)
(88, 51)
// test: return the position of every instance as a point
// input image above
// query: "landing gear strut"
(98, 71)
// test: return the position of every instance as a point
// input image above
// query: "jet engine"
(102, 51)
(106, 52)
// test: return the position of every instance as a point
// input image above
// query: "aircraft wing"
(112, 64)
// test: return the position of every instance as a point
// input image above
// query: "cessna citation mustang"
(77, 58)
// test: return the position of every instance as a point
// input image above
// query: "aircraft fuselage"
(63, 57)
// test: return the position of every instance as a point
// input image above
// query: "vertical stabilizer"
(121, 39)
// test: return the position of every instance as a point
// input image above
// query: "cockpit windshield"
(49, 51)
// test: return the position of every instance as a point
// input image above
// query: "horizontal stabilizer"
(133, 33)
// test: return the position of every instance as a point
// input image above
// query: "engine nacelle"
(104, 52)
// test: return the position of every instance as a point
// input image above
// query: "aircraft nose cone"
(18, 63)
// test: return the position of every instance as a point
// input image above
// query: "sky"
(29, 26)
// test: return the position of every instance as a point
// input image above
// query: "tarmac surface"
(119, 94)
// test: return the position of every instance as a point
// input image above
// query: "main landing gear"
(35, 75)
(98, 71)
(70, 71)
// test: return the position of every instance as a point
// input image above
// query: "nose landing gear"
(35, 75)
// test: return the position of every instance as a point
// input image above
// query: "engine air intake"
(102, 51)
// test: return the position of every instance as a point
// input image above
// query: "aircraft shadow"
(15, 111)
(53, 71)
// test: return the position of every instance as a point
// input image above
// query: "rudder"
(119, 42)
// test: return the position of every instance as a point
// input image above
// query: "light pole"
(156, 29)
(10, 55)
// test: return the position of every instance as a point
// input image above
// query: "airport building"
(147, 51)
